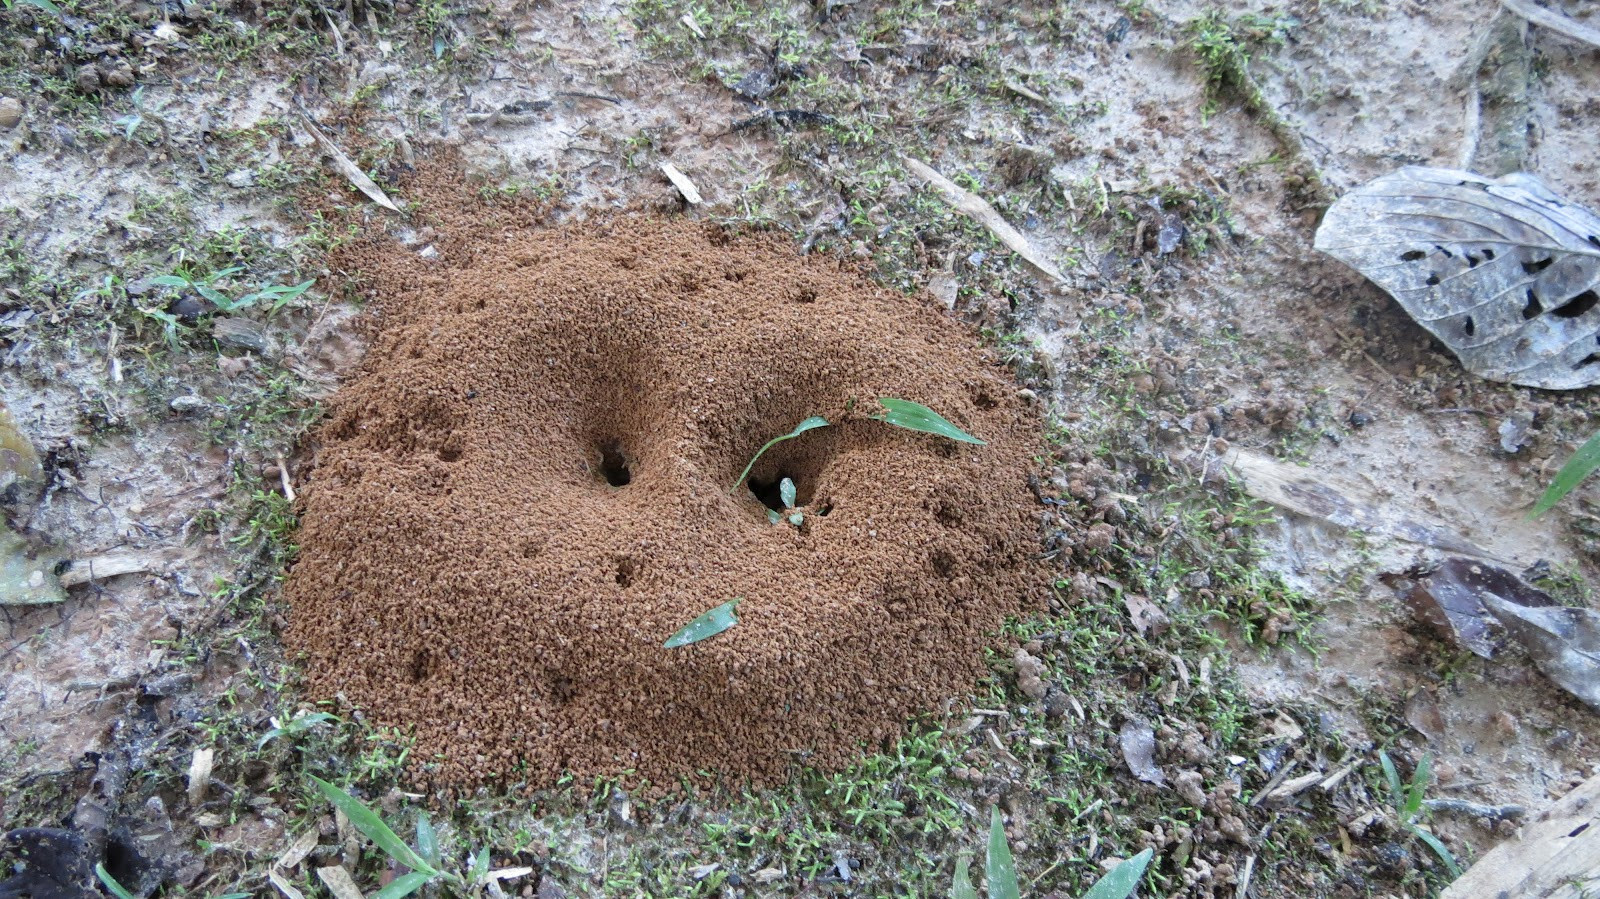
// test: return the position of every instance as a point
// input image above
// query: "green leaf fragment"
(815, 421)
(368, 822)
(1580, 466)
(710, 624)
(1121, 881)
(961, 885)
(917, 417)
(797, 519)
(295, 726)
(404, 885)
(999, 869)
(427, 840)
(1419, 785)
(1438, 848)
(786, 493)
(114, 888)
(1391, 777)
(45, 5)
(480, 865)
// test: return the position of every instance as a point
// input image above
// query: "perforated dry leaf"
(1502, 271)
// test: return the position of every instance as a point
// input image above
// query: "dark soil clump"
(525, 491)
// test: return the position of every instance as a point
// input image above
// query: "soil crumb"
(525, 490)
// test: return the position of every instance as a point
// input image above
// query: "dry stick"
(1554, 21)
(348, 168)
(975, 207)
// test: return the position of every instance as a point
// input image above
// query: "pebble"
(120, 75)
(240, 178)
(186, 404)
(10, 113)
(88, 78)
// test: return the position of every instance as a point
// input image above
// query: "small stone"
(240, 179)
(183, 405)
(1100, 537)
(243, 334)
(120, 75)
(189, 307)
(88, 78)
(10, 113)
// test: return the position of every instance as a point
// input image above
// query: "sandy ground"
(1255, 344)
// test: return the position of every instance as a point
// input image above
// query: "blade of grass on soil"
(402, 886)
(710, 624)
(368, 822)
(111, 885)
(917, 417)
(427, 840)
(961, 885)
(294, 726)
(999, 870)
(1581, 465)
(815, 421)
(1121, 881)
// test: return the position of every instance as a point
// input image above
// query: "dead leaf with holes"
(1503, 271)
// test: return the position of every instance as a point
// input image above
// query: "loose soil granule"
(525, 491)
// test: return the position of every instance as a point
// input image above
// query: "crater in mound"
(525, 491)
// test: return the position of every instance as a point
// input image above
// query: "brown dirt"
(468, 570)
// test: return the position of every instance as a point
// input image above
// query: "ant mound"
(525, 491)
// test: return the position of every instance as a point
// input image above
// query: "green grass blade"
(1580, 466)
(283, 295)
(815, 421)
(1417, 787)
(999, 870)
(480, 865)
(404, 885)
(917, 417)
(302, 723)
(114, 888)
(1391, 777)
(427, 840)
(1121, 881)
(45, 5)
(1439, 849)
(710, 624)
(961, 884)
(367, 821)
(169, 281)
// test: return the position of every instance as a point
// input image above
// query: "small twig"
(1554, 21)
(1463, 807)
(283, 478)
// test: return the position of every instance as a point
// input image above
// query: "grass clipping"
(524, 492)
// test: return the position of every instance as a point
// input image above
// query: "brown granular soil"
(525, 490)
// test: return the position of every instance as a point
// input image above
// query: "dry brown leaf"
(301, 848)
(1147, 616)
(284, 886)
(1138, 741)
(339, 882)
